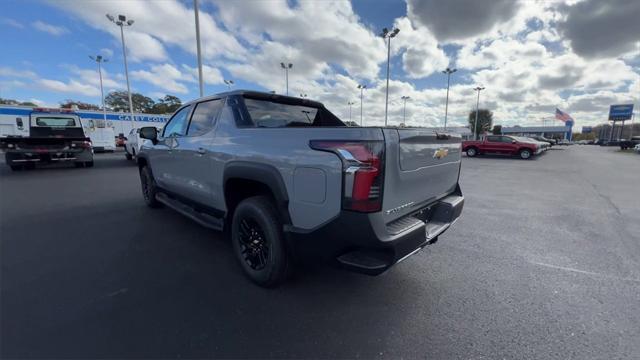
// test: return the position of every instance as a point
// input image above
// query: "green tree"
(485, 120)
(69, 103)
(167, 105)
(16, 102)
(119, 101)
(497, 129)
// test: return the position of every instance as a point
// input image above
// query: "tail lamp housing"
(362, 172)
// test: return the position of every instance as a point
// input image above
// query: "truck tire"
(16, 167)
(88, 163)
(78, 164)
(525, 154)
(471, 152)
(149, 188)
(258, 241)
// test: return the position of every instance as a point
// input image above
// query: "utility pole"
(388, 34)
(122, 22)
(200, 81)
(361, 87)
(404, 109)
(286, 74)
(229, 83)
(475, 124)
(448, 71)
(99, 59)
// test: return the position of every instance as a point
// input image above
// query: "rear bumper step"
(417, 234)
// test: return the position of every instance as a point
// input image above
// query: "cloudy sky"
(532, 56)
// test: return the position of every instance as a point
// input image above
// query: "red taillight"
(81, 144)
(363, 172)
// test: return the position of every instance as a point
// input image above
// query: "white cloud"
(11, 72)
(211, 75)
(48, 28)
(72, 87)
(108, 53)
(314, 34)
(158, 23)
(421, 56)
(165, 76)
(12, 22)
(91, 77)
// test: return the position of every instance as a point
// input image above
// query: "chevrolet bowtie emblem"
(440, 153)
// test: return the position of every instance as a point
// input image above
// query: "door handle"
(202, 151)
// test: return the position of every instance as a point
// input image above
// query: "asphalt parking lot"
(544, 263)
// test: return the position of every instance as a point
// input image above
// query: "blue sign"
(620, 112)
(587, 129)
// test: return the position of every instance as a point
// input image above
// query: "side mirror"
(513, 141)
(19, 123)
(149, 133)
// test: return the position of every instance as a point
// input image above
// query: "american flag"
(563, 116)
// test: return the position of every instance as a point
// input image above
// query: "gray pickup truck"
(289, 180)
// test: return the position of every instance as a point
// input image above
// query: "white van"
(102, 136)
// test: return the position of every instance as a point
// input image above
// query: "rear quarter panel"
(313, 179)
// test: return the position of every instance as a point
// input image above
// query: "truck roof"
(262, 96)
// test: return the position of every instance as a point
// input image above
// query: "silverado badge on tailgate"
(440, 153)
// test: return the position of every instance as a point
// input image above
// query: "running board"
(203, 219)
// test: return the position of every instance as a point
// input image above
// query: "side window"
(493, 138)
(178, 123)
(506, 139)
(204, 117)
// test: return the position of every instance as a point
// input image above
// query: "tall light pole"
(388, 34)
(200, 81)
(404, 109)
(122, 22)
(350, 103)
(448, 71)
(475, 124)
(229, 83)
(286, 74)
(361, 87)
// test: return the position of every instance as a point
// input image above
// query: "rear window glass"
(55, 121)
(271, 114)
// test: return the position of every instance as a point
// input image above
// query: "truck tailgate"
(421, 166)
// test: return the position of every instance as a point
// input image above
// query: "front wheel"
(15, 167)
(471, 152)
(525, 154)
(149, 188)
(258, 241)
